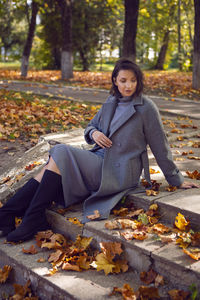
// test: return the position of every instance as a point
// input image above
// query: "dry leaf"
(126, 291)
(96, 215)
(81, 243)
(194, 255)
(160, 228)
(75, 221)
(180, 222)
(151, 193)
(148, 277)
(146, 292)
(4, 273)
(178, 294)
(123, 211)
(112, 225)
(153, 207)
(152, 171)
(41, 260)
(31, 250)
(171, 188)
(193, 175)
(159, 280)
(102, 263)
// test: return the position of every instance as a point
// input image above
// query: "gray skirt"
(80, 170)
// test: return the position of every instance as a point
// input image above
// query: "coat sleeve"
(159, 145)
(93, 125)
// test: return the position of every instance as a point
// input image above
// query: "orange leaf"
(75, 221)
(126, 291)
(4, 273)
(148, 277)
(151, 193)
(178, 294)
(193, 175)
(195, 256)
(123, 211)
(146, 292)
(96, 215)
(171, 188)
(160, 228)
(31, 250)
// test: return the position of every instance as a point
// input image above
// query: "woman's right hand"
(101, 140)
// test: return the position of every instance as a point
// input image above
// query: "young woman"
(126, 123)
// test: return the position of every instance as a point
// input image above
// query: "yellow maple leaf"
(181, 222)
(102, 263)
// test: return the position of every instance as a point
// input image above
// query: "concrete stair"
(179, 270)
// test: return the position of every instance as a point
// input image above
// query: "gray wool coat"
(124, 161)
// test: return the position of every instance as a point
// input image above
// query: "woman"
(121, 130)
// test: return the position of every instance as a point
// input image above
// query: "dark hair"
(127, 64)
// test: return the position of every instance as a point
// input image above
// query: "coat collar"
(108, 110)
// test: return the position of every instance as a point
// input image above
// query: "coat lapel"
(129, 114)
(108, 110)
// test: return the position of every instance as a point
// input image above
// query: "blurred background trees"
(70, 34)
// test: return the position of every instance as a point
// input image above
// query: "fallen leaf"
(180, 222)
(30, 250)
(96, 215)
(112, 225)
(151, 193)
(194, 255)
(160, 228)
(193, 175)
(75, 221)
(148, 277)
(4, 273)
(126, 291)
(194, 157)
(41, 260)
(123, 211)
(178, 294)
(159, 280)
(82, 243)
(152, 171)
(102, 263)
(153, 207)
(171, 188)
(146, 292)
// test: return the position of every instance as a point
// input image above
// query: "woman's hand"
(101, 140)
(188, 185)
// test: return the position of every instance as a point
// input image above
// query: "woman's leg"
(47, 192)
(19, 203)
(50, 166)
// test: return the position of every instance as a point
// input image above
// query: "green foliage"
(194, 292)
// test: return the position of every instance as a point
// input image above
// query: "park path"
(173, 106)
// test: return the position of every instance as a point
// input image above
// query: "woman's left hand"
(188, 185)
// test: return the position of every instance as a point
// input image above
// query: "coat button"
(117, 164)
(119, 144)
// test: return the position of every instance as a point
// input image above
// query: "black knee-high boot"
(16, 206)
(35, 218)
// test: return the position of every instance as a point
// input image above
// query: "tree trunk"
(29, 41)
(179, 35)
(84, 60)
(196, 55)
(163, 50)
(130, 28)
(66, 54)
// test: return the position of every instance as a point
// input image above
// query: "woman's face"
(126, 82)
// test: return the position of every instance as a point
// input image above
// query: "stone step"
(168, 260)
(63, 285)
